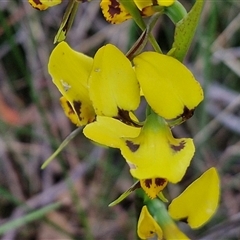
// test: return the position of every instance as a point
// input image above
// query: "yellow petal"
(153, 187)
(156, 154)
(44, 4)
(147, 226)
(108, 131)
(165, 3)
(70, 71)
(114, 12)
(68, 110)
(143, 3)
(171, 231)
(113, 83)
(199, 201)
(168, 86)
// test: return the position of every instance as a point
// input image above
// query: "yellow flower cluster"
(113, 11)
(103, 92)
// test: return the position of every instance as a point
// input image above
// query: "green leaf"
(185, 30)
(63, 145)
(125, 194)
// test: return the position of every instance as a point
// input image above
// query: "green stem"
(170, 230)
(157, 209)
(175, 12)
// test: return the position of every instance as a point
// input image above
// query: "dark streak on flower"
(124, 117)
(179, 147)
(185, 220)
(77, 108)
(37, 2)
(133, 147)
(71, 111)
(160, 181)
(187, 113)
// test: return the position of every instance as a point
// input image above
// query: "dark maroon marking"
(178, 147)
(187, 113)
(148, 183)
(160, 181)
(154, 2)
(77, 107)
(114, 8)
(185, 220)
(38, 2)
(133, 147)
(124, 117)
(71, 111)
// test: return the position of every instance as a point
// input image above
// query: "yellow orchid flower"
(115, 13)
(168, 86)
(70, 71)
(113, 84)
(199, 201)
(106, 85)
(147, 227)
(110, 132)
(44, 4)
(155, 153)
(151, 152)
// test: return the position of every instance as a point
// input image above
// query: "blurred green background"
(69, 199)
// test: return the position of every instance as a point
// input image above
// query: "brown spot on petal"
(148, 182)
(160, 181)
(114, 8)
(133, 147)
(37, 2)
(77, 107)
(124, 117)
(179, 147)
